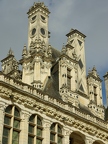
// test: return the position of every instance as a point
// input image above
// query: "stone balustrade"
(34, 91)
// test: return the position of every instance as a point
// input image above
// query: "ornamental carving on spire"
(37, 46)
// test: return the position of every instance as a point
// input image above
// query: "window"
(11, 128)
(80, 64)
(33, 18)
(43, 18)
(55, 134)
(80, 43)
(71, 41)
(95, 94)
(33, 31)
(81, 88)
(42, 31)
(35, 130)
(69, 78)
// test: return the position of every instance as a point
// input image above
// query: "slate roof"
(55, 54)
(52, 88)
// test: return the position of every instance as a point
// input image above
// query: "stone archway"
(76, 138)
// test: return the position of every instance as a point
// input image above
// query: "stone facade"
(51, 101)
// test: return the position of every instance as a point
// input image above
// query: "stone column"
(2, 106)
(88, 140)
(46, 131)
(24, 127)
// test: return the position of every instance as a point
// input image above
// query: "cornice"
(69, 46)
(32, 56)
(75, 31)
(36, 6)
(106, 76)
(66, 56)
(82, 94)
(96, 78)
(8, 57)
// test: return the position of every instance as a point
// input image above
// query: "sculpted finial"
(10, 52)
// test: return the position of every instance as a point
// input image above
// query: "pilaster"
(99, 99)
(73, 85)
(2, 106)
(24, 127)
(37, 71)
(67, 133)
(46, 131)
(63, 73)
(23, 76)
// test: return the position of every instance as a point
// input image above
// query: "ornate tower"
(76, 39)
(36, 60)
(95, 93)
(10, 66)
(38, 16)
(68, 74)
(72, 73)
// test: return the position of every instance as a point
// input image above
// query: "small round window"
(33, 31)
(42, 31)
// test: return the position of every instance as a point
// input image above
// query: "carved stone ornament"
(68, 132)
(2, 106)
(5, 92)
(46, 124)
(89, 140)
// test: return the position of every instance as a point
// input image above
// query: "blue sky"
(88, 16)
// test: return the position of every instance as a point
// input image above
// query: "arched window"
(76, 137)
(35, 130)
(55, 134)
(11, 128)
